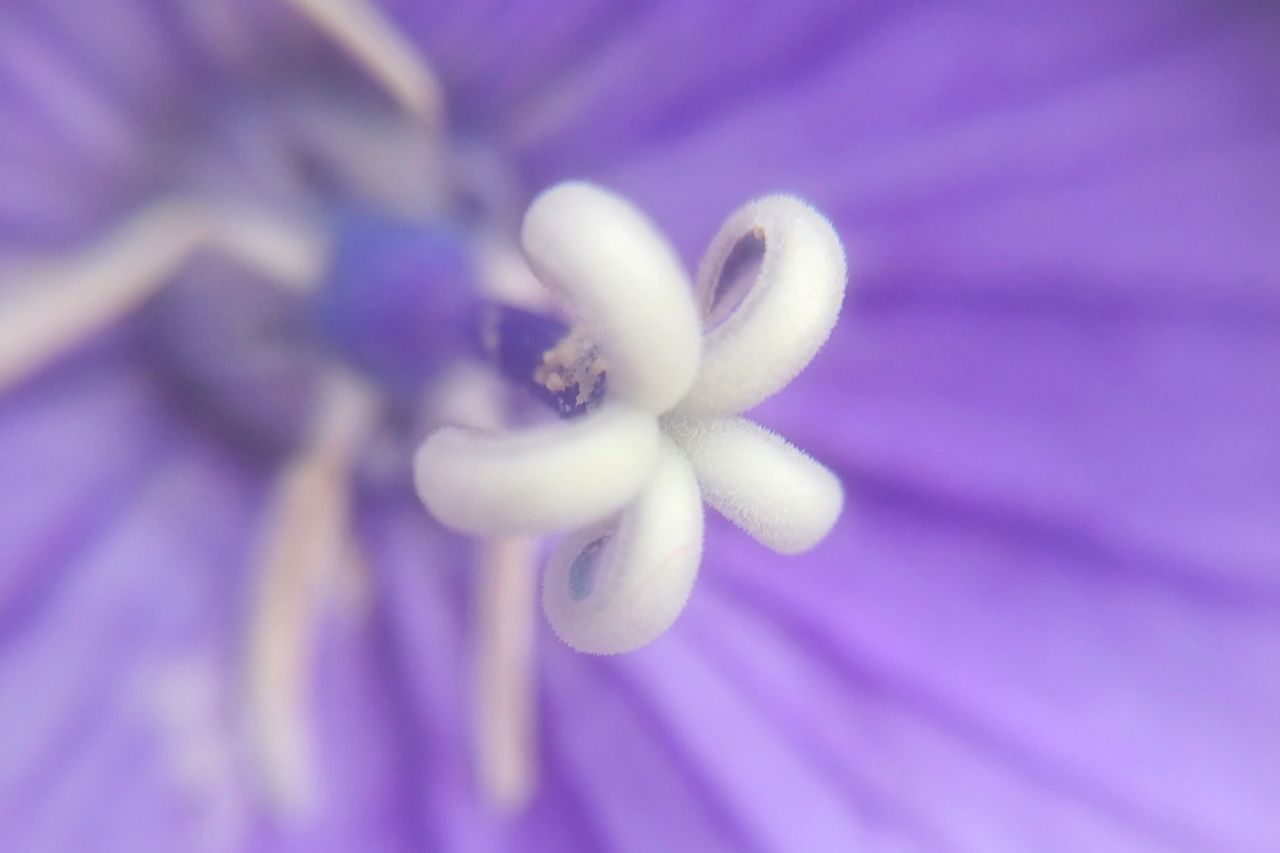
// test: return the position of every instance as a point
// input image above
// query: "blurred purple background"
(1049, 619)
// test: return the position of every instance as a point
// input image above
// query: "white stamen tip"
(382, 50)
(616, 586)
(625, 283)
(547, 478)
(759, 481)
(769, 289)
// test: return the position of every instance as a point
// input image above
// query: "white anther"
(305, 536)
(616, 586)
(49, 305)
(552, 477)
(382, 50)
(623, 280)
(769, 289)
(759, 481)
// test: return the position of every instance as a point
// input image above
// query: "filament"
(503, 671)
(385, 54)
(50, 305)
(306, 536)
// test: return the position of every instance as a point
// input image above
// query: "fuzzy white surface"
(557, 476)
(639, 580)
(785, 317)
(617, 273)
(759, 481)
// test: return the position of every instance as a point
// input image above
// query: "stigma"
(624, 481)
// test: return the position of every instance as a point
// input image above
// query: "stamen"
(505, 277)
(503, 642)
(286, 252)
(503, 671)
(306, 535)
(552, 477)
(770, 287)
(624, 282)
(50, 306)
(617, 585)
(759, 481)
(382, 50)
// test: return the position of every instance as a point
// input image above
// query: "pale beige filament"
(306, 535)
(48, 305)
(376, 45)
(503, 671)
(502, 620)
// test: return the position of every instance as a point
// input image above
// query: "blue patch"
(400, 299)
(582, 574)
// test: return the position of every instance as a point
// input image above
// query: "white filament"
(391, 160)
(759, 481)
(622, 279)
(48, 306)
(556, 476)
(503, 671)
(51, 305)
(287, 252)
(382, 50)
(783, 317)
(502, 664)
(616, 586)
(305, 536)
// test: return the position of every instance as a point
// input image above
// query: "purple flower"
(1047, 620)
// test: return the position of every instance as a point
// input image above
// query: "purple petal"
(1049, 619)
(127, 616)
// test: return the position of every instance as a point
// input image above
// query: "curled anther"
(770, 287)
(616, 586)
(759, 480)
(547, 478)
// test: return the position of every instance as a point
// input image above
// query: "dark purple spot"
(518, 341)
(737, 276)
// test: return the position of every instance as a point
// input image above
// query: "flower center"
(560, 366)
(399, 302)
(396, 306)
